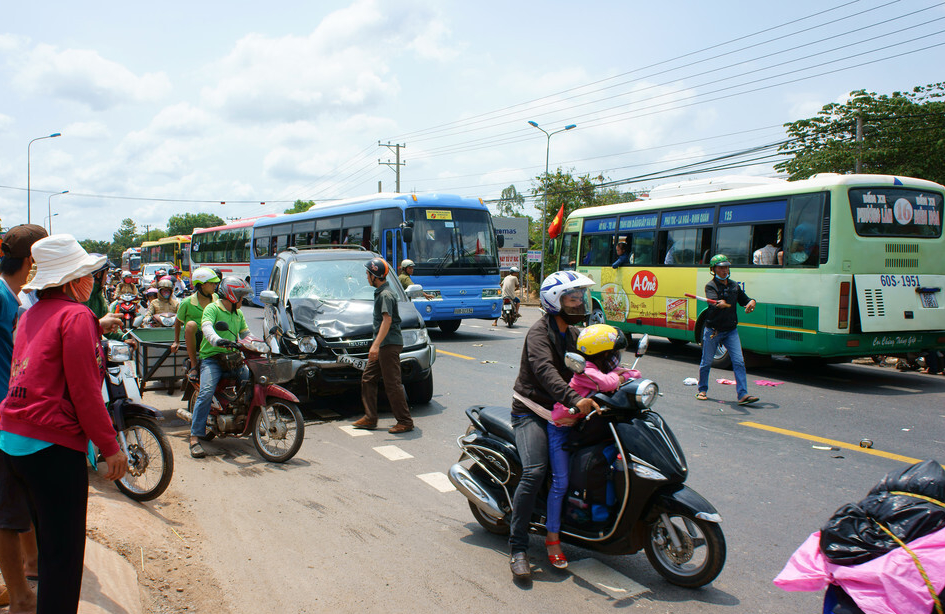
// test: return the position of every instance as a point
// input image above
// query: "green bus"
(841, 266)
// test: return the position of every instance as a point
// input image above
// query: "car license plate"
(357, 363)
(929, 300)
(461, 310)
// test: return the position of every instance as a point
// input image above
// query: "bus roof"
(164, 240)
(378, 201)
(819, 182)
(240, 223)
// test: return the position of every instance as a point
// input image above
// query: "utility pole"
(147, 232)
(397, 163)
(859, 144)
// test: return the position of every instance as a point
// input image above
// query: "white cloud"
(84, 76)
(91, 130)
(5, 122)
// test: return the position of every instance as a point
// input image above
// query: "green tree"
(126, 236)
(184, 223)
(151, 234)
(902, 134)
(96, 247)
(300, 206)
(511, 203)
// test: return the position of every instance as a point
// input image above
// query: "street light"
(49, 208)
(40, 138)
(544, 207)
(49, 217)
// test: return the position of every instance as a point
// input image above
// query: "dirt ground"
(159, 539)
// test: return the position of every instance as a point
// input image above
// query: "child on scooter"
(601, 345)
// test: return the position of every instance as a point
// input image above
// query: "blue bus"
(450, 239)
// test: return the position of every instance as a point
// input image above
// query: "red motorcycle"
(127, 310)
(257, 408)
(509, 314)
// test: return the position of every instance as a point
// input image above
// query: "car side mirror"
(575, 362)
(268, 297)
(500, 240)
(642, 345)
(221, 327)
(414, 291)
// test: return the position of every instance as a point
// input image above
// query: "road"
(358, 522)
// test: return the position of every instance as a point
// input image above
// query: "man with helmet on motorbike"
(165, 301)
(406, 270)
(127, 285)
(721, 322)
(510, 286)
(190, 313)
(232, 291)
(179, 287)
(384, 355)
(543, 381)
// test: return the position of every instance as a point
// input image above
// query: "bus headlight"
(308, 345)
(488, 293)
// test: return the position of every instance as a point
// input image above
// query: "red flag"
(555, 228)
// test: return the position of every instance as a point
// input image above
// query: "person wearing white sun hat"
(52, 410)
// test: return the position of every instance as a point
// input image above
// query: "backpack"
(591, 474)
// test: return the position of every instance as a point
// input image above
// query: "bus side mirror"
(408, 234)
(500, 240)
(551, 245)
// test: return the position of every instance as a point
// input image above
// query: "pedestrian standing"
(384, 355)
(721, 327)
(53, 407)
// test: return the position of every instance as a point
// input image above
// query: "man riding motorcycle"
(165, 301)
(174, 276)
(190, 313)
(127, 285)
(542, 381)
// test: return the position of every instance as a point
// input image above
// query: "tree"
(96, 247)
(511, 203)
(184, 223)
(151, 234)
(125, 237)
(902, 134)
(300, 206)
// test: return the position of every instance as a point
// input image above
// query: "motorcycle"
(258, 408)
(509, 315)
(150, 460)
(127, 310)
(158, 320)
(626, 489)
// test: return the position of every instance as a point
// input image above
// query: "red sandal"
(558, 560)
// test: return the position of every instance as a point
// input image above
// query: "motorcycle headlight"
(414, 337)
(118, 351)
(646, 393)
(256, 345)
(308, 345)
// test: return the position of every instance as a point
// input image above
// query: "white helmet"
(560, 283)
(204, 275)
(513, 269)
(406, 263)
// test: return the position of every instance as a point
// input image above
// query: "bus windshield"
(451, 238)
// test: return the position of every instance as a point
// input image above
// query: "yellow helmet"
(600, 338)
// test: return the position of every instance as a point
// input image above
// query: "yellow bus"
(175, 250)
(841, 265)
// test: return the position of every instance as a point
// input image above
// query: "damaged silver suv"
(319, 311)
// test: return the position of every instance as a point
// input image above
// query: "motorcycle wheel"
(700, 558)
(286, 432)
(509, 319)
(490, 524)
(150, 460)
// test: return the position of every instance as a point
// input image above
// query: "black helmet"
(377, 267)
(233, 289)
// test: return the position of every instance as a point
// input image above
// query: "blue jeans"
(730, 341)
(560, 461)
(210, 375)
(531, 441)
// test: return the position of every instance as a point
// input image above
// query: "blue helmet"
(560, 283)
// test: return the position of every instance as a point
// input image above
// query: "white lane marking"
(438, 481)
(898, 388)
(605, 578)
(392, 453)
(353, 431)
(474, 326)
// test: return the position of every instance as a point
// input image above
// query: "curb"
(109, 583)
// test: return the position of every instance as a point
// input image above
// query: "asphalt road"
(357, 521)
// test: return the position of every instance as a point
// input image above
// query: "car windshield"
(149, 269)
(332, 280)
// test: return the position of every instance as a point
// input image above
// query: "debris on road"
(690, 381)
(764, 382)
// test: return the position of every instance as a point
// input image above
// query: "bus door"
(391, 246)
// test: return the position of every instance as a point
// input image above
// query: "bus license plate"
(357, 363)
(462, 310)
(929, 300)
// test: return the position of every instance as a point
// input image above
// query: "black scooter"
(626, 489)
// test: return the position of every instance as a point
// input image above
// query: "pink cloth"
(764, 382)
(591, 381)
(730, 382)
(890, 584)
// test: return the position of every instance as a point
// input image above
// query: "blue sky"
(176, 109)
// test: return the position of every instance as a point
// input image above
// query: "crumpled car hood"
(333, 319)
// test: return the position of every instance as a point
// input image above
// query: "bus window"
(261, 243)
(685, 245)
(641, 248)
(569, 245)
(735, 242)
(766, 241)
(802, 240)
(596, 250)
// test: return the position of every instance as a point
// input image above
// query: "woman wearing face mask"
(721, 322)
(53, 408)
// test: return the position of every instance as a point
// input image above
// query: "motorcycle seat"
(498, 421)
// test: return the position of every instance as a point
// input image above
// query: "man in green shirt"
(384, 355)
(232, 291)
(190, 314)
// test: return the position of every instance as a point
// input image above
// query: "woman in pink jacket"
(53, 408)
(601, 345)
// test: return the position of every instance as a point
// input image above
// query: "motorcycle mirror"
(575, 362)
(642, 345)
(221, 327)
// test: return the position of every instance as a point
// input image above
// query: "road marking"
(353, 431)
(392, 453)
(439, 351)
(898, 388)
(605, 578)
(832, 442)
(438, 481)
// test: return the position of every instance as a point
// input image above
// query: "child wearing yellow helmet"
(601, 345)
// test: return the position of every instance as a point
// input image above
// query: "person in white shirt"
(509, 286)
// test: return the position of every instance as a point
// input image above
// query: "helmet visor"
(576, 302)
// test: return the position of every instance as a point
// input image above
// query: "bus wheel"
(449, 326)
(597, 316)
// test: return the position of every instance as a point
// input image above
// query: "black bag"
(590, 473)
(590, 431)
(231, 361)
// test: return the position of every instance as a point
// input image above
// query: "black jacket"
(724, 319)
(542, 374)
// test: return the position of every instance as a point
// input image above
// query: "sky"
(240, 108)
